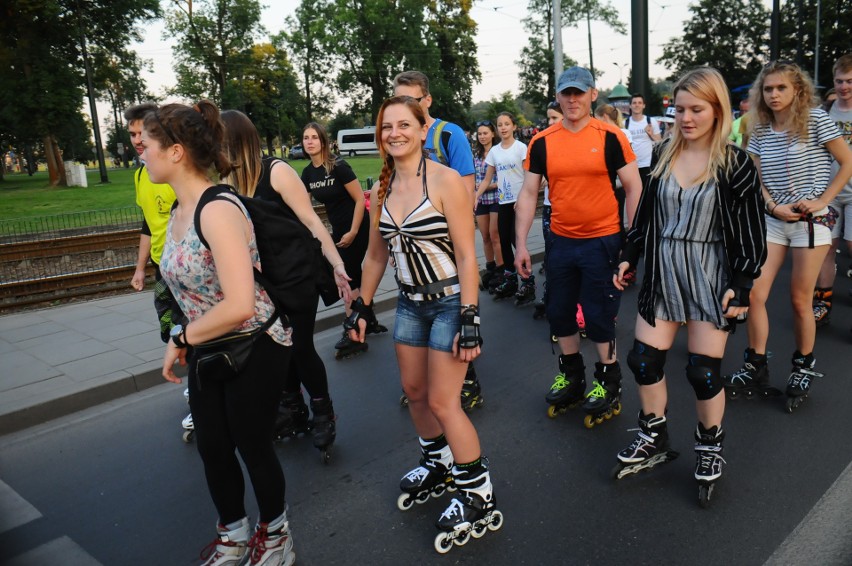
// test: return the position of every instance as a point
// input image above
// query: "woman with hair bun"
(234, 411)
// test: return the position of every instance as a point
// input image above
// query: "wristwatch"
(178, 335)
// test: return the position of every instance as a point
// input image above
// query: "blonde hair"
(243, 143)
(707, 84)
(612, 113)
(387, 160)
(803, 101)
(328, 158)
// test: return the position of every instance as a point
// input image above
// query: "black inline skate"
(540, 311)
(708, 461)
(822, 305)
(604, 400)
(324, 428)
(473, 513)
(292, 418)
(507, 287)
(471, 393)
(488, 276)
(431, 478)
(752, 380)
(346, 348)
(496, 279)
(373, 327)
(526, 293)
(569, 386)
(799, 383)
(649, 449)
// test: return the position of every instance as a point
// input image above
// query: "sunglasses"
(486, 123)
(553, 105)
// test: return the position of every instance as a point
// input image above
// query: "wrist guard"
(469, 336)
(359, 311)
(740, 298)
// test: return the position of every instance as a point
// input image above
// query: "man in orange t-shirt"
(580, 157)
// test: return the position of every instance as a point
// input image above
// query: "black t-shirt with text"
(330, 190)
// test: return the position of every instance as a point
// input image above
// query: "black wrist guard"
(740, 298)
(469, 336)
(359, 311)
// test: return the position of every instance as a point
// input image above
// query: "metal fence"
(39, 228)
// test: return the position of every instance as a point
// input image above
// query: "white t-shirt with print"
(509, 164)
(640, 140)
(843, 120)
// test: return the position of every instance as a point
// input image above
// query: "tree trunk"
(55, 167)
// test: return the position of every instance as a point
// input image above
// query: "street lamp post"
(621, 71)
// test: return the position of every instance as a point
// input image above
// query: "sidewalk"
(60, 360)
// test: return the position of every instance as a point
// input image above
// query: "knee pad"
(705, 375)
(647, 363)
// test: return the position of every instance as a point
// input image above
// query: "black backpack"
(293, 267)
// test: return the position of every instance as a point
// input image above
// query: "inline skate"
(323, 425)
(272, 544)
(648, 450)
(230, 547)
(526, 293)
(431, 478)
(473, 513)
(604, 400)
(568, 387)
(496, 279)
(471, 393)
(346, 348)
(708, 461)
(799, 383)
(507, 287)
(822, 305)
(488, 276)
(292, 417)
(751, 380)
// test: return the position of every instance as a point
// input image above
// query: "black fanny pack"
(224, 358)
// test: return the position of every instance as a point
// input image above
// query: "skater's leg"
(757, 323)
(305, 362)
(705, 340)
(494, 235)
(250, 409)
(647, 364)
(563, 292)
(806, 266)
(598, 295)
(483, 222)
(413, 372)
(506, 230)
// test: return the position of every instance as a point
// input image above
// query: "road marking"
(58, 551)
(14, 509)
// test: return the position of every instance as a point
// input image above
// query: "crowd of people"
(706, 212)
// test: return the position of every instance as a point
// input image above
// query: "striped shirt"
(791, 168)
(739, 201)
(421, 247)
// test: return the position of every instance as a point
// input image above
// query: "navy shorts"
(483, 209)
(580, 271)
(433, 324)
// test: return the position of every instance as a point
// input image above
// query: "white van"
(354, 142)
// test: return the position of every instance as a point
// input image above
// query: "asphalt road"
(115, 485)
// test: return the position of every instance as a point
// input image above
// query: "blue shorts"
(432, 324)
(580, 271)
(483, 209)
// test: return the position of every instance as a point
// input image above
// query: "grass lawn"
(22, 196)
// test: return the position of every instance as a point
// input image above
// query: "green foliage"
(835, 23)
(730, 35)
(214, 40)
(341, 121)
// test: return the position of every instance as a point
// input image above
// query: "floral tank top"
(188, 269)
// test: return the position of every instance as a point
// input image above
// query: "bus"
(359, 141)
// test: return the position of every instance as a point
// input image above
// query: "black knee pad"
(705, 375)
(647, 363)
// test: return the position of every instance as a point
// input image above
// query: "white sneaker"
(229, 548)
(272, 544)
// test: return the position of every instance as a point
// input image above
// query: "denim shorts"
(432, 324)
(795, 234)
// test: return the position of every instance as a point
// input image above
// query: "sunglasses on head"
(486, 123)
(553, 105)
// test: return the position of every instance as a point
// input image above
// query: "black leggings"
(240, 414)
(506, 229)
(306, 367)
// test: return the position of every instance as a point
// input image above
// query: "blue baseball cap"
(575, 77)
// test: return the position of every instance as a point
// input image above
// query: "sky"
(500, 38)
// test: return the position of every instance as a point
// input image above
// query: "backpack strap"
(438, 142)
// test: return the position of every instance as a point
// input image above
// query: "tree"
(214, 40)
(42, 74)
(835, 23)
(306, 35)
(538, 83)
(730, 35)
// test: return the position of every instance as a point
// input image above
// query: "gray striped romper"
(693, 271)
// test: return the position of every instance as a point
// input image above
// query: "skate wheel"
(616, 409)
(439, 490)
(187, 436)
(422, 497)
(479, 529)
(589, 421)
(554, 339)
(405, 502)
(403, 401)
(325, 456)
(462, 538)
(443, 543)
(705, 493)
(552, 411)
(616, 472)
(496, 521)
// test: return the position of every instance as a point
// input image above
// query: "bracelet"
(766, 205)
(772, 211)
(465, 307)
